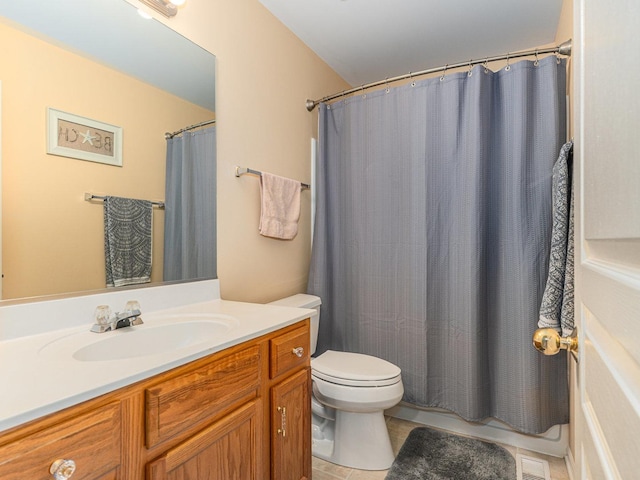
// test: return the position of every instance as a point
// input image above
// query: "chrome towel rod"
(90, 196)
(244, 170)
(562, 49)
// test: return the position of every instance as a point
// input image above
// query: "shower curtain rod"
(190, 127)
(562, 49)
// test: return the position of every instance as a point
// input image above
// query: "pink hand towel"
(280, 202)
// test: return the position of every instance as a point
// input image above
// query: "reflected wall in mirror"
(53, 240)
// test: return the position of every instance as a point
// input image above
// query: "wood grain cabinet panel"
(92, 440)
(291, 428)
(229, 449)
(289, 351)
(181, 402)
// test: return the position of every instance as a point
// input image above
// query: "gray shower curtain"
(432, 237)
(190, 206)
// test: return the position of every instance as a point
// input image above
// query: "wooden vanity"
(241, 413)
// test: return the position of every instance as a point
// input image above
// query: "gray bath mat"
(433, 455)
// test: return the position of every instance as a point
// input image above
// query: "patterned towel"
(557, 308)
(127, 241)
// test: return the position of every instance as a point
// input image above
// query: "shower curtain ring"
(386, 82)
(470, 72)
(444, 72)
(508, 67)
(537, 62)
(413, 82)
(364, 95)
(486, 65)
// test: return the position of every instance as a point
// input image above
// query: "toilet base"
(361, 440)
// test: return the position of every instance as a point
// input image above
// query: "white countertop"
(37, 380)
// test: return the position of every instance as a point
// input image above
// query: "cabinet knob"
(62, 469)
(298, 352)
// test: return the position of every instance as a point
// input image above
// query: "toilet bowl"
(350, 393)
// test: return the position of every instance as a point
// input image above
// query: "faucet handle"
(132, 306)
(102, 315)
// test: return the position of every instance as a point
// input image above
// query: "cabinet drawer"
(92, 440)
(181, 402)
(289, 351)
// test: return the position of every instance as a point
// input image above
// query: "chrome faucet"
(105, 322)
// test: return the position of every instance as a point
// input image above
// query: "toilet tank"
(303, 300)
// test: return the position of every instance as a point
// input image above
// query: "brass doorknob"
(549, 342)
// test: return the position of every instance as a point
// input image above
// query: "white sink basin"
(142, 340)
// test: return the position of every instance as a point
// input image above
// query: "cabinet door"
(291, 428)
(228, 449)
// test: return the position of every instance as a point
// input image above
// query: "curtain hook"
(444, 72)
(386, 82)
(558, 61)
(413, 82)
(508, 67)
(364, 95)
(537, 62)
(470, 72)
(486, 65)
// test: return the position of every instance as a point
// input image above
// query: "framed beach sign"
(78, 137)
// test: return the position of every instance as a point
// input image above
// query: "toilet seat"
(354, 369)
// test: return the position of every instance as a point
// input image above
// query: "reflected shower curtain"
(190, 206)
(432, 235)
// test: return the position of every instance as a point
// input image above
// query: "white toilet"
(350, 393)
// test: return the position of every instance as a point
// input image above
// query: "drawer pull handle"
(62, 469)
(283, 421)
(298, 352)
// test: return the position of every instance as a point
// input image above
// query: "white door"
(607, 155)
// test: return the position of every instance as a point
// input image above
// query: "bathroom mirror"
(99, 61)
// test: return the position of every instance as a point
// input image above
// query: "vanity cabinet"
(242, 413)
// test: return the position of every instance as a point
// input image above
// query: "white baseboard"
(554, 441)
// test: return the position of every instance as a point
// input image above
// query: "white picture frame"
(73, 136)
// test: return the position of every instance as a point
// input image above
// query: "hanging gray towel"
(557, 308)
(127, 241)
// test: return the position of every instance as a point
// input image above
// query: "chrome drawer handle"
(62, 469)
(298, 352)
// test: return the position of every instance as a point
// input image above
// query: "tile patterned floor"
(398, 431)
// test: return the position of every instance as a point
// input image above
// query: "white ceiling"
(369, 40)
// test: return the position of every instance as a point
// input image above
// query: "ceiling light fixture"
(168, 8)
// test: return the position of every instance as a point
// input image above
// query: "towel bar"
(90, 196)
(244, 170)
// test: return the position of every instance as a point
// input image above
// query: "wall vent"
(530, 468)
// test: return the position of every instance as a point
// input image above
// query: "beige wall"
(53, 239)
(264, 75)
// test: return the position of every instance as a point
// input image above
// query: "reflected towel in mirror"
(127, 240)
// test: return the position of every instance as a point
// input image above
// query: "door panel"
(607, 163)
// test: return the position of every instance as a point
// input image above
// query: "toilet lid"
(346, 368)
